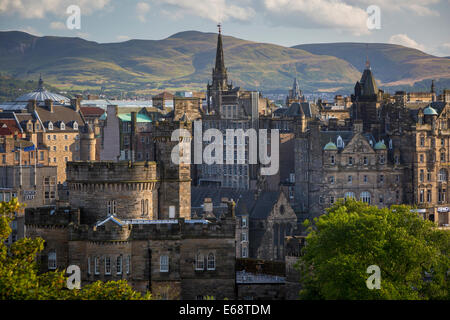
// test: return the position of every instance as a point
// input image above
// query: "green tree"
(20, 278)
(352, 236)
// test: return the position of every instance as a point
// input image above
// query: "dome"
(429, 111)
(40, 95)
(330, 146)
(380, 146)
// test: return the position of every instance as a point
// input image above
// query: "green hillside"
(184, 62)
(393, 65)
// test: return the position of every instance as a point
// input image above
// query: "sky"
(420, 24)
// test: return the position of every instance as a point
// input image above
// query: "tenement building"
(53, 122)
(132, 220)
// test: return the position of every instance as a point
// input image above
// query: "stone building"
(262, 219)
(132, 220)
(53, 122)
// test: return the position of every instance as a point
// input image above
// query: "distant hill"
(184, 62)
(393, 65)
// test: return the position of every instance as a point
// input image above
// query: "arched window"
(442, 177)
(75, 125)
(143, 207)
(200, 262)
(52, 260)
(211, 265)
(62, 126)
(349, 195)
(365, 197)
(50, 125)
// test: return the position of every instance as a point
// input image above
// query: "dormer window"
(62, 126)
(50, 125)
(75, 125)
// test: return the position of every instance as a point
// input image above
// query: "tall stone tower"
(219, 77)
(87, 144)
(175, 186)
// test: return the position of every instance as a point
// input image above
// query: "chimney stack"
(75, 103)
(49, 104)
(31, 106)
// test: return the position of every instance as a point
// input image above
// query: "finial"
(219, 25)
(41, 82)
(367, 56)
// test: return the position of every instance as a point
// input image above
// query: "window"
(381, 178)
(164, 263)
(75, 126)
(244, 236)
(421, 157)
(65, 137)
(171, 212)
(66, 148)
(365, 161)
(50, 126)
(365, 197)
(200, 263)
(107, 265)
(331, 199)
(332, 160)
(244, 222)
(422, 141)
(211, 261)
(428, 195)
(421, 175)
(41, 155)
(443, 156)
(62, 126)
(96, 266)
(350, 160)
(397, 159)
(381, 199)
(54, 137)
(442, 177)
(127, 264)
(421, 196)
(54, 160)
(331, 179)
(442, 142)
(52, 260)
(111, 207)
(350, 179)
(349, 195)
(340, 142)
(119, 265)
(381, 159)
(365, 178)
(244, 251)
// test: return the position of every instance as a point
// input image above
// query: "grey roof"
(296, 109)
(246, 203)
(40, 95)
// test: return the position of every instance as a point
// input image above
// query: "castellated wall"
(127, 190)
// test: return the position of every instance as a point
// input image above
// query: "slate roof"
(92, 111)
(245, 200)
(60, 113)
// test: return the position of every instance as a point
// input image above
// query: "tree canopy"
(21, 280)
(412, 254)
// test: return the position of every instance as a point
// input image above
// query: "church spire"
(220, 62)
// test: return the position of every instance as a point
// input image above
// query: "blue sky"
(422, 24)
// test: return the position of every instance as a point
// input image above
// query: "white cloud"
(317, 14)
(142, 8)
(38, 9)
(404, 40)
(214, 10)
(57, 25)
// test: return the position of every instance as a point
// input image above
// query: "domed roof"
(40, 95)
(330, 146)
(429, 111)
(380, 146)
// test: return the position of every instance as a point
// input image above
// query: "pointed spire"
(367, 57)
(220, 62)
(40, 83)
(432, 87)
